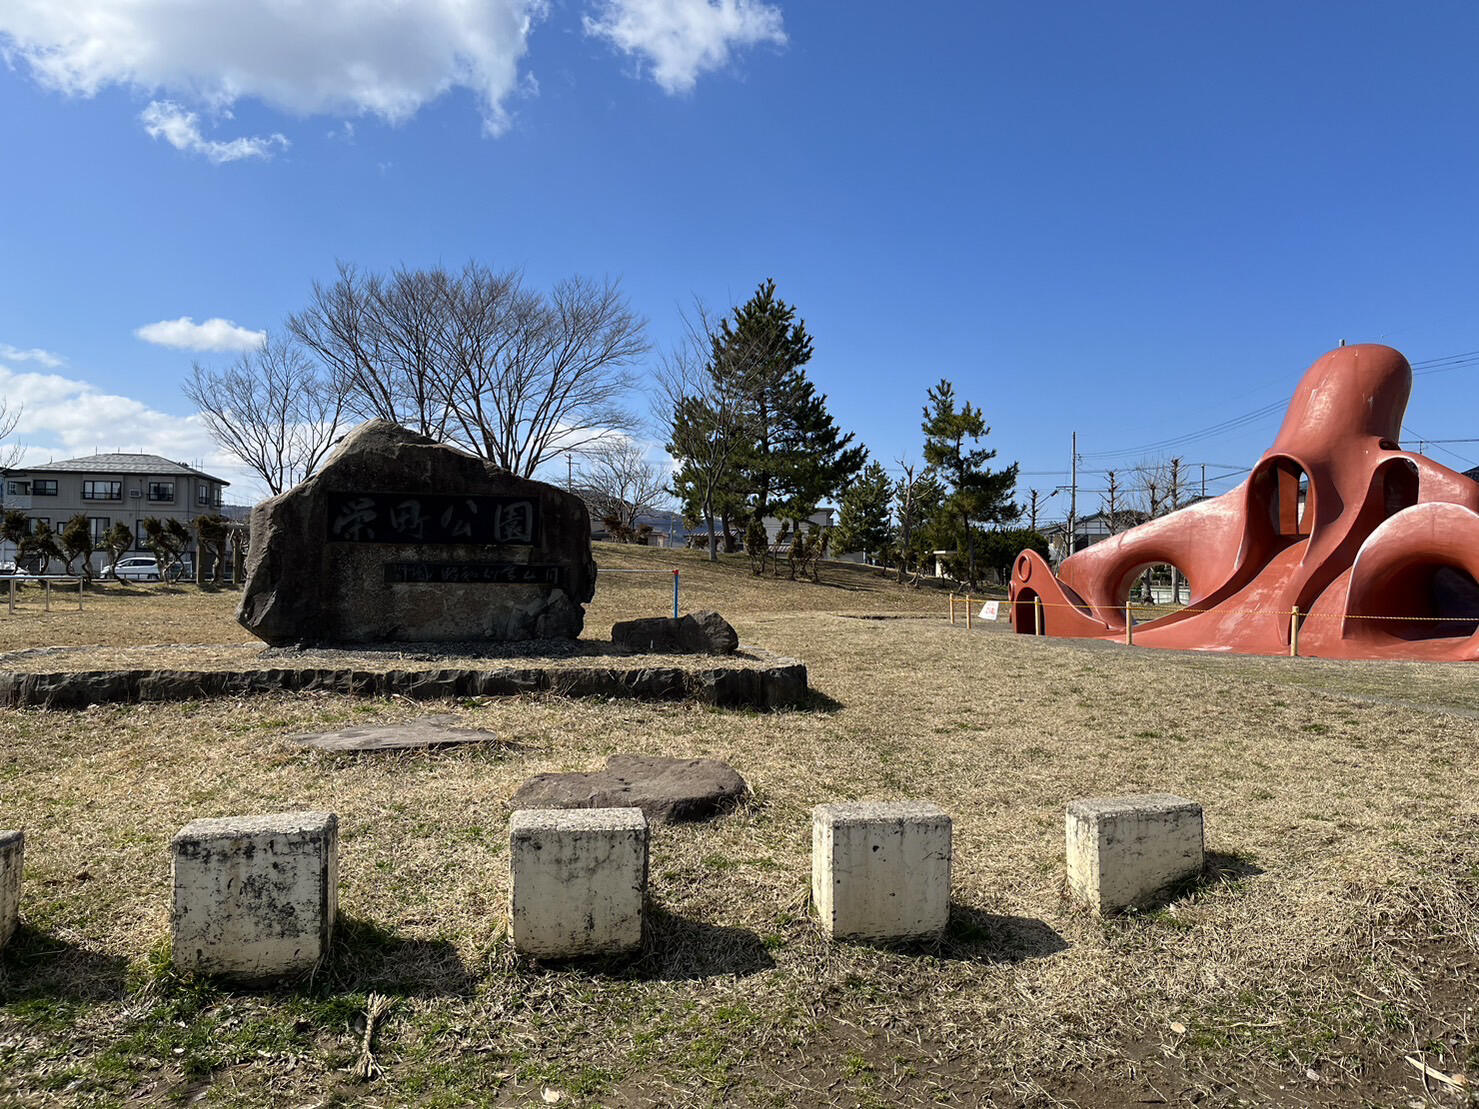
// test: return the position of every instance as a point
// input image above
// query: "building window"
(161, 490)
(140, 539)
(208, 494)
(100, 526)
(43, 487)
(34, 522)
(102, 490)
(18, 488)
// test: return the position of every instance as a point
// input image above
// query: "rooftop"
(117, 463)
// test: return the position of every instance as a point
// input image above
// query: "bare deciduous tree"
(10, 453)
(705, 417)
(272, 409)
(1153, 480)
(535, 378)
(381, 340)
(518, 377)
(916, 495)
(621, 485)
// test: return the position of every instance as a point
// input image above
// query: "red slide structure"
(1377, 548)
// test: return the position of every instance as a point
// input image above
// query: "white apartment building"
(109, 489)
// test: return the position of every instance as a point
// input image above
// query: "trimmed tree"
(166, 540)
(117, 541)
(77, 542)
(210, 537)
(42, 546)
(13, 527)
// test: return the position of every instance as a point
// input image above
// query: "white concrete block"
(1122, 851)
(255, 896)
(579, 881)
(12, 852)
(880, 870)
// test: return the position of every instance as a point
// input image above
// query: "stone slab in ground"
(665, 789)
(423, 733)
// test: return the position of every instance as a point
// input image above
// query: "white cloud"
(681, 39)
(164, 119)
(212, 334)
(35, 354)
(339, 57)
(64, 417)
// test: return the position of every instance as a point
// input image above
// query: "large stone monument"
(400, 538)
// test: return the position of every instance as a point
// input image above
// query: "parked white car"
(136, 568)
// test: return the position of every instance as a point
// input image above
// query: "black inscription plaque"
(473, 573)
(431, 518)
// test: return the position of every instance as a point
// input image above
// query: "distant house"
(668, 529)
(1087, 530)
(111, 489)
(821, 519)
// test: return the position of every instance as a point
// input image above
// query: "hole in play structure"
(1024, 613)
(1284, 489)
(1161, 584)
(1399, 485)
(1430, 601)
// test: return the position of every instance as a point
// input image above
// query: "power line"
(1441, 364)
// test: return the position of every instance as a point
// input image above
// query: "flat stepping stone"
(421, 734)
(664, 789)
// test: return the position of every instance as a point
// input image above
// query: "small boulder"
(665, 789)
(698, 633)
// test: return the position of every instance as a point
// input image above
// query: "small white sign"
(990, 610)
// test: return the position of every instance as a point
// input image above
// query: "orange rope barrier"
(1188, 610)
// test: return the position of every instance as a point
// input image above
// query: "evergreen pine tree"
(864, 513)
(795, 456)
(978, 494)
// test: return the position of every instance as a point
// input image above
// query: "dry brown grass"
(1342, 804)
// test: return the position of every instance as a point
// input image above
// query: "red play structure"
(1338, 537)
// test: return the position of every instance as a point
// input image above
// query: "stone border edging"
(782, 683)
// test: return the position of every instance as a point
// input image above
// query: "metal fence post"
(1294, 632)
(967, 612)
(675, 594)
(48, 594)
(12, 596)
(1129, 627)
(1037, 616)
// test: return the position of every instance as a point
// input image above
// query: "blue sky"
(1133, 221)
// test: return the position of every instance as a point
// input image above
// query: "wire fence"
(47, 580)
(993, 607)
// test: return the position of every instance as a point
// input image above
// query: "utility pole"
(1204, 479)
(1073, 495)
(1175, 494)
